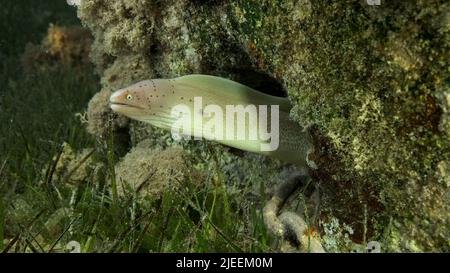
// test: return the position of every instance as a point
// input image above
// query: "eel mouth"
(118, 105)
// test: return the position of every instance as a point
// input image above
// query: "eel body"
(165, 103)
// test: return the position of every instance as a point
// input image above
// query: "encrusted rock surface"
(371, 82)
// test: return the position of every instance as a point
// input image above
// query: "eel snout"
(124, 102)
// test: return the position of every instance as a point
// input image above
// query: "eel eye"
(129, 97)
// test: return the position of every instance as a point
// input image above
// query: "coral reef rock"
(372, 83)
(150, 171)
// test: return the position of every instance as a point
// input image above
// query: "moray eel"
(154, 101)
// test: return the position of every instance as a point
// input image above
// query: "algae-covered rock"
(150, 171)
(371, 82)
(62, 45)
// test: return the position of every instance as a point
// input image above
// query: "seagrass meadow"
(370, 83)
